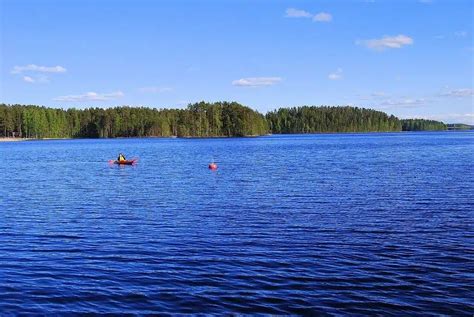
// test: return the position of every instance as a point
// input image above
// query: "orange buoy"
(213, 166)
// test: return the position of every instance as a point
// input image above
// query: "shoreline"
(220, 137)
(217, 137)
(14, 139)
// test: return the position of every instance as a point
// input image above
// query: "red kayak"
(126, 162)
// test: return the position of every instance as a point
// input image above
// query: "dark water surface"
(331, 224)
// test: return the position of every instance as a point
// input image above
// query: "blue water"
(330, 224)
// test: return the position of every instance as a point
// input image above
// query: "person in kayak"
(121, 158)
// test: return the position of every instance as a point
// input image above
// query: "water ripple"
(366, 224)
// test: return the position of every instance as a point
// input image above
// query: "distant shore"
(31, 139)
(13, 139)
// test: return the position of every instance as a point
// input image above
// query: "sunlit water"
(305, 224)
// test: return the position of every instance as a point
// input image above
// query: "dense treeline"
(199, 120)
(330, 119)
(422, 125)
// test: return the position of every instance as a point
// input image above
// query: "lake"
(328, 224)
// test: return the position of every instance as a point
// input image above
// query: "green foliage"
(330, 119)
(198, 120)
(422, 125)
(201, 119)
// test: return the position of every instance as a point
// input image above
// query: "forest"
(422, 125)
(308, 119)
(219, 119)
(201, 119)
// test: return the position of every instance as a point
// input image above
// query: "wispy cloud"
(460, 33)
(457, 34)
(38, 79)
(336, 75)
(297, 13)
(36, 68)
(318, 17)
(90, 96)
(322, 17)
(425, 1)
(256, 81)
(154, 89)
(462, 92)
(402, 103)
(386, 42)
(36, 74)
(467, 118)
(28, 79)
(377, 94)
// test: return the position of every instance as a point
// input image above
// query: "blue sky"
(410, 58)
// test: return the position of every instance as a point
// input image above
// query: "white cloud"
(296, 13)
(35, 73)
(425, 1)
(336, 75)
(387, 42)
(36, 79)
(36, 68)
(90, 96)
(319, 17)
(462, 92)
(460, 33)
(256, 81)
(154, 89)
(402, 103)
(28, 79)
(322, 17)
